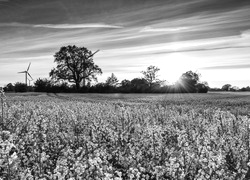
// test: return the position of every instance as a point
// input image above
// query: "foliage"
(9, 87)
(188, 82)
(139, 85)
(226, 87)
(42, 85)
(112, 80)
(125, 86)
(21, 87)
(76, 65)
(245, 88)
(68, 138)
(202, 87)
(150, 75)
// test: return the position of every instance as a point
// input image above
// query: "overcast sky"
(211, 37)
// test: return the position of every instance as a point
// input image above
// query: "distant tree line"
(229, 87)
(188, 83)
(76, 70)
(136, 85)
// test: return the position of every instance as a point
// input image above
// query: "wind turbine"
(30, 80)
(26, 74)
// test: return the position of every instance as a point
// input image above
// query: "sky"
(210, 37)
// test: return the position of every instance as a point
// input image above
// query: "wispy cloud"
(76, 26)
(235, 66)
(202, 49)
(61, 26)
(173, 29)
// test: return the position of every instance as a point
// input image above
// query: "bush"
(21, 87)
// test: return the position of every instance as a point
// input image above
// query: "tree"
(21, 87)
(150, 75)
(139, 85)
(9, 87)
(42, 85)
(188, 82)
(76, 65)
(112, 80)
(226, 87)
(202, 87)
(234, 88)
(125, 86)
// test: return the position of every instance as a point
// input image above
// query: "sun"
(172, 66)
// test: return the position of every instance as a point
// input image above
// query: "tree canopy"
(151, 76)
(76, 65)
(189, 82)
(226, 87)
(112, 80)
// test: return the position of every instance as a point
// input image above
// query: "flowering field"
(173, 136)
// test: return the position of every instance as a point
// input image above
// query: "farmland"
(125, 136)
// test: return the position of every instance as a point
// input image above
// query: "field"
(125, 136)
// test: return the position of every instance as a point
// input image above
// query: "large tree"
(76, 65)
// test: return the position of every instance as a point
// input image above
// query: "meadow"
(125, 136)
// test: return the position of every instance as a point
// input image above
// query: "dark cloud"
(144, 11)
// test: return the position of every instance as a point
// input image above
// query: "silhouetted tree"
(188, 82)
(42, 85)
(150, 75)
(9, 87)
(125, 86)
(139, 85)
(112, 80)
(21, 87)
(226, 87)
(245, 88)
(202, 87)
(75, 64)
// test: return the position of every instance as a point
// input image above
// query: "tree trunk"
(77, 85)
(83, 82)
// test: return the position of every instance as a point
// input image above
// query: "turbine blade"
(30, 75)
(22, 72)
(28, 67)
(94, 53)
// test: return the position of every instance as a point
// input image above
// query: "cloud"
(236, 66)
(245, 34)
(173, 29)
(61, 26)
(77, 26)
(202, 49)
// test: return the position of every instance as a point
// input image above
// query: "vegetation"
(76, 65)
(150, 75)
(177, 136)
(112, 81)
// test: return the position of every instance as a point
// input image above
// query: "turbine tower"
(26, 74)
